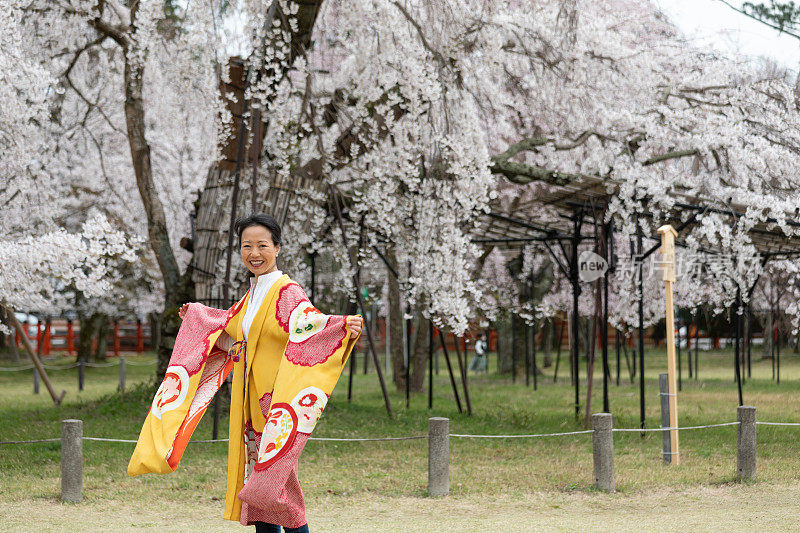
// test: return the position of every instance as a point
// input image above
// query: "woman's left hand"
(355, 323)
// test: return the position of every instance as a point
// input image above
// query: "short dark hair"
(259, 219)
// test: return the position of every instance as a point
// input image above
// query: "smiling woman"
(259, 243)
(285, 357)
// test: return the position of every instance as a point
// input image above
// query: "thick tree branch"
(522, 174)
(675, 154)
(530, 144)
(117, 33)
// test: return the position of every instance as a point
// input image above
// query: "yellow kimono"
(282, 380)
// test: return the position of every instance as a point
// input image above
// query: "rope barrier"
(459, 435)
(524, 436)
(19, 369)
(101, 439)
(29, 367)
(368, 439)
(27, 441)
(640, 430)
(75, 365)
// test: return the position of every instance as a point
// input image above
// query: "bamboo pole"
(36, 362)
(357, 282)
(668, 235)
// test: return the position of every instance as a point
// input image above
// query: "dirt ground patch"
(712, 508)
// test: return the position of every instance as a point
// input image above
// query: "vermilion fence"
(63, 335)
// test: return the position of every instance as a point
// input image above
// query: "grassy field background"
(487, 475)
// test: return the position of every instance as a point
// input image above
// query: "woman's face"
(258, 251)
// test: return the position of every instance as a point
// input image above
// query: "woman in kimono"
(289, 358)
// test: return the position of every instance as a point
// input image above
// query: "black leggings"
(263, 527)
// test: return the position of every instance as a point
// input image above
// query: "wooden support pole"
(533, 356)
(604, 335)
(696, 347)
(558, 350)
(450, 371)
(778, 353)
(36, 362)
(749, 340)
(663, 391)
(462, 367)
(351, 374)
(680, 366)
(640, 325)
(527, 355)
(408, 355)
(371, 318)
(362, 306)
(668, 235)
(737, 350)
(313, 256)
(430, 364)
(616, 331)
(513, 350)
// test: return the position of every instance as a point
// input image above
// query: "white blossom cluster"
(71, 123)
(35, 269)
(611, 90)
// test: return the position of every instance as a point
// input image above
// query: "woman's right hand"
(182, 310)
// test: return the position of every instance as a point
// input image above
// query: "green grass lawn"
(479, 467)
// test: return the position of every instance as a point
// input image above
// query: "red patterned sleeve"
(313, 335)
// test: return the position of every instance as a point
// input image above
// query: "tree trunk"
(504, 355)
(419, 366)
(396, 325)
(155, 330)
(102, 337)
(12, 346)
(547, 342)
(592, 345)
(88, 331)
(176, 291)
(767, 346)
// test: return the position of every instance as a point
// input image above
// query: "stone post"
(746, 443)
(603, 444)
(438, 456)
(72, 460)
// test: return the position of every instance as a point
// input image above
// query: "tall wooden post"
(668, 235)
(35, 358)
